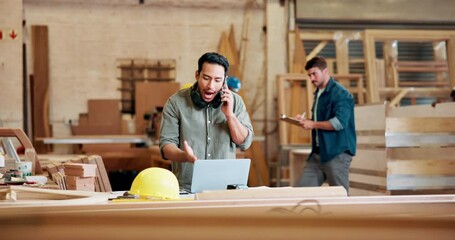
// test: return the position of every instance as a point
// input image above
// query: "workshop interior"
(83, 89)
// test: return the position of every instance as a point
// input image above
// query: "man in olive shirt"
(205, 121)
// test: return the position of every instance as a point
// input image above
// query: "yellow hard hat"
(155, 182)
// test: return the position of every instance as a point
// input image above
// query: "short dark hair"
(318, 62)
(213, 57)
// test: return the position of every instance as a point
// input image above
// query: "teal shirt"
(336, 105)
(206, 131)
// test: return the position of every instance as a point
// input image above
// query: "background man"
(332, 128)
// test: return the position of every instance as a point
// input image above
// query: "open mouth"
(208, 95)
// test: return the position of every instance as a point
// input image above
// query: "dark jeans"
(335, 171)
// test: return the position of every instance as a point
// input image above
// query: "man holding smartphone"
(205, 121)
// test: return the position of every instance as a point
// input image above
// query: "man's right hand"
(190, 157)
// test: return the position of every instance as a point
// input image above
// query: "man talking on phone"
(205, 121)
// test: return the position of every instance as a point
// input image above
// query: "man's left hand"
(227, 99)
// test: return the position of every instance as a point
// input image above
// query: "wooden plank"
(371, 141)
(244, 40)
(279, 223)
(364, 192)
(233, 47)
(451, 58)
(295, 109)
(316, 50)
(378, 181)
(421, 153)
(420, 125)
(105, 112)
(420, 92)
(260, 171)
(419, 140)
(233, 55)
(328, 35)
(367, 186)
(439, 54)
(424, 110)
(282, 132)
(42, 197)
(285, 104)
(397, 99)
(300, 58)
(342, 54)
(364, 121)
(370, 159)
(40, 101)
(419, 182)
(260, 193)
(370, 66)
(297, 161)
(418, 163)
(423, 167)
(390, 51)
(366, 206)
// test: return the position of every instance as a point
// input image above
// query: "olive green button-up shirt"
(206, 130)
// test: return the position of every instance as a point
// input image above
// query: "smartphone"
(223, 89)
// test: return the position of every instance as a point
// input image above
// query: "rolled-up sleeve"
(242, 115)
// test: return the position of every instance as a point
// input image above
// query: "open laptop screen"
(217, 174)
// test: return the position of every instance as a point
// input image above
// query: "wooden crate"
(414, 154)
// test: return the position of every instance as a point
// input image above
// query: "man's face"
(318, 77)
(210, 80)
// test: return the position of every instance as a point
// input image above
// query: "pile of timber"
(404, 150)
(58, 171)
(80, 176)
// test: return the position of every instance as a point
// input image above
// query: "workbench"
(329, 217)
(96, 139)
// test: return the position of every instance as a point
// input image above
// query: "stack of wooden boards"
(80, 176)
(79, 173)
(404, 150)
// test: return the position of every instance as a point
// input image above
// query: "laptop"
(220, 174)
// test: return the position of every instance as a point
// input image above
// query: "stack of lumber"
(80, 176)
(368, 170)
(404, 150)
(420, 142)
(58, 171)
